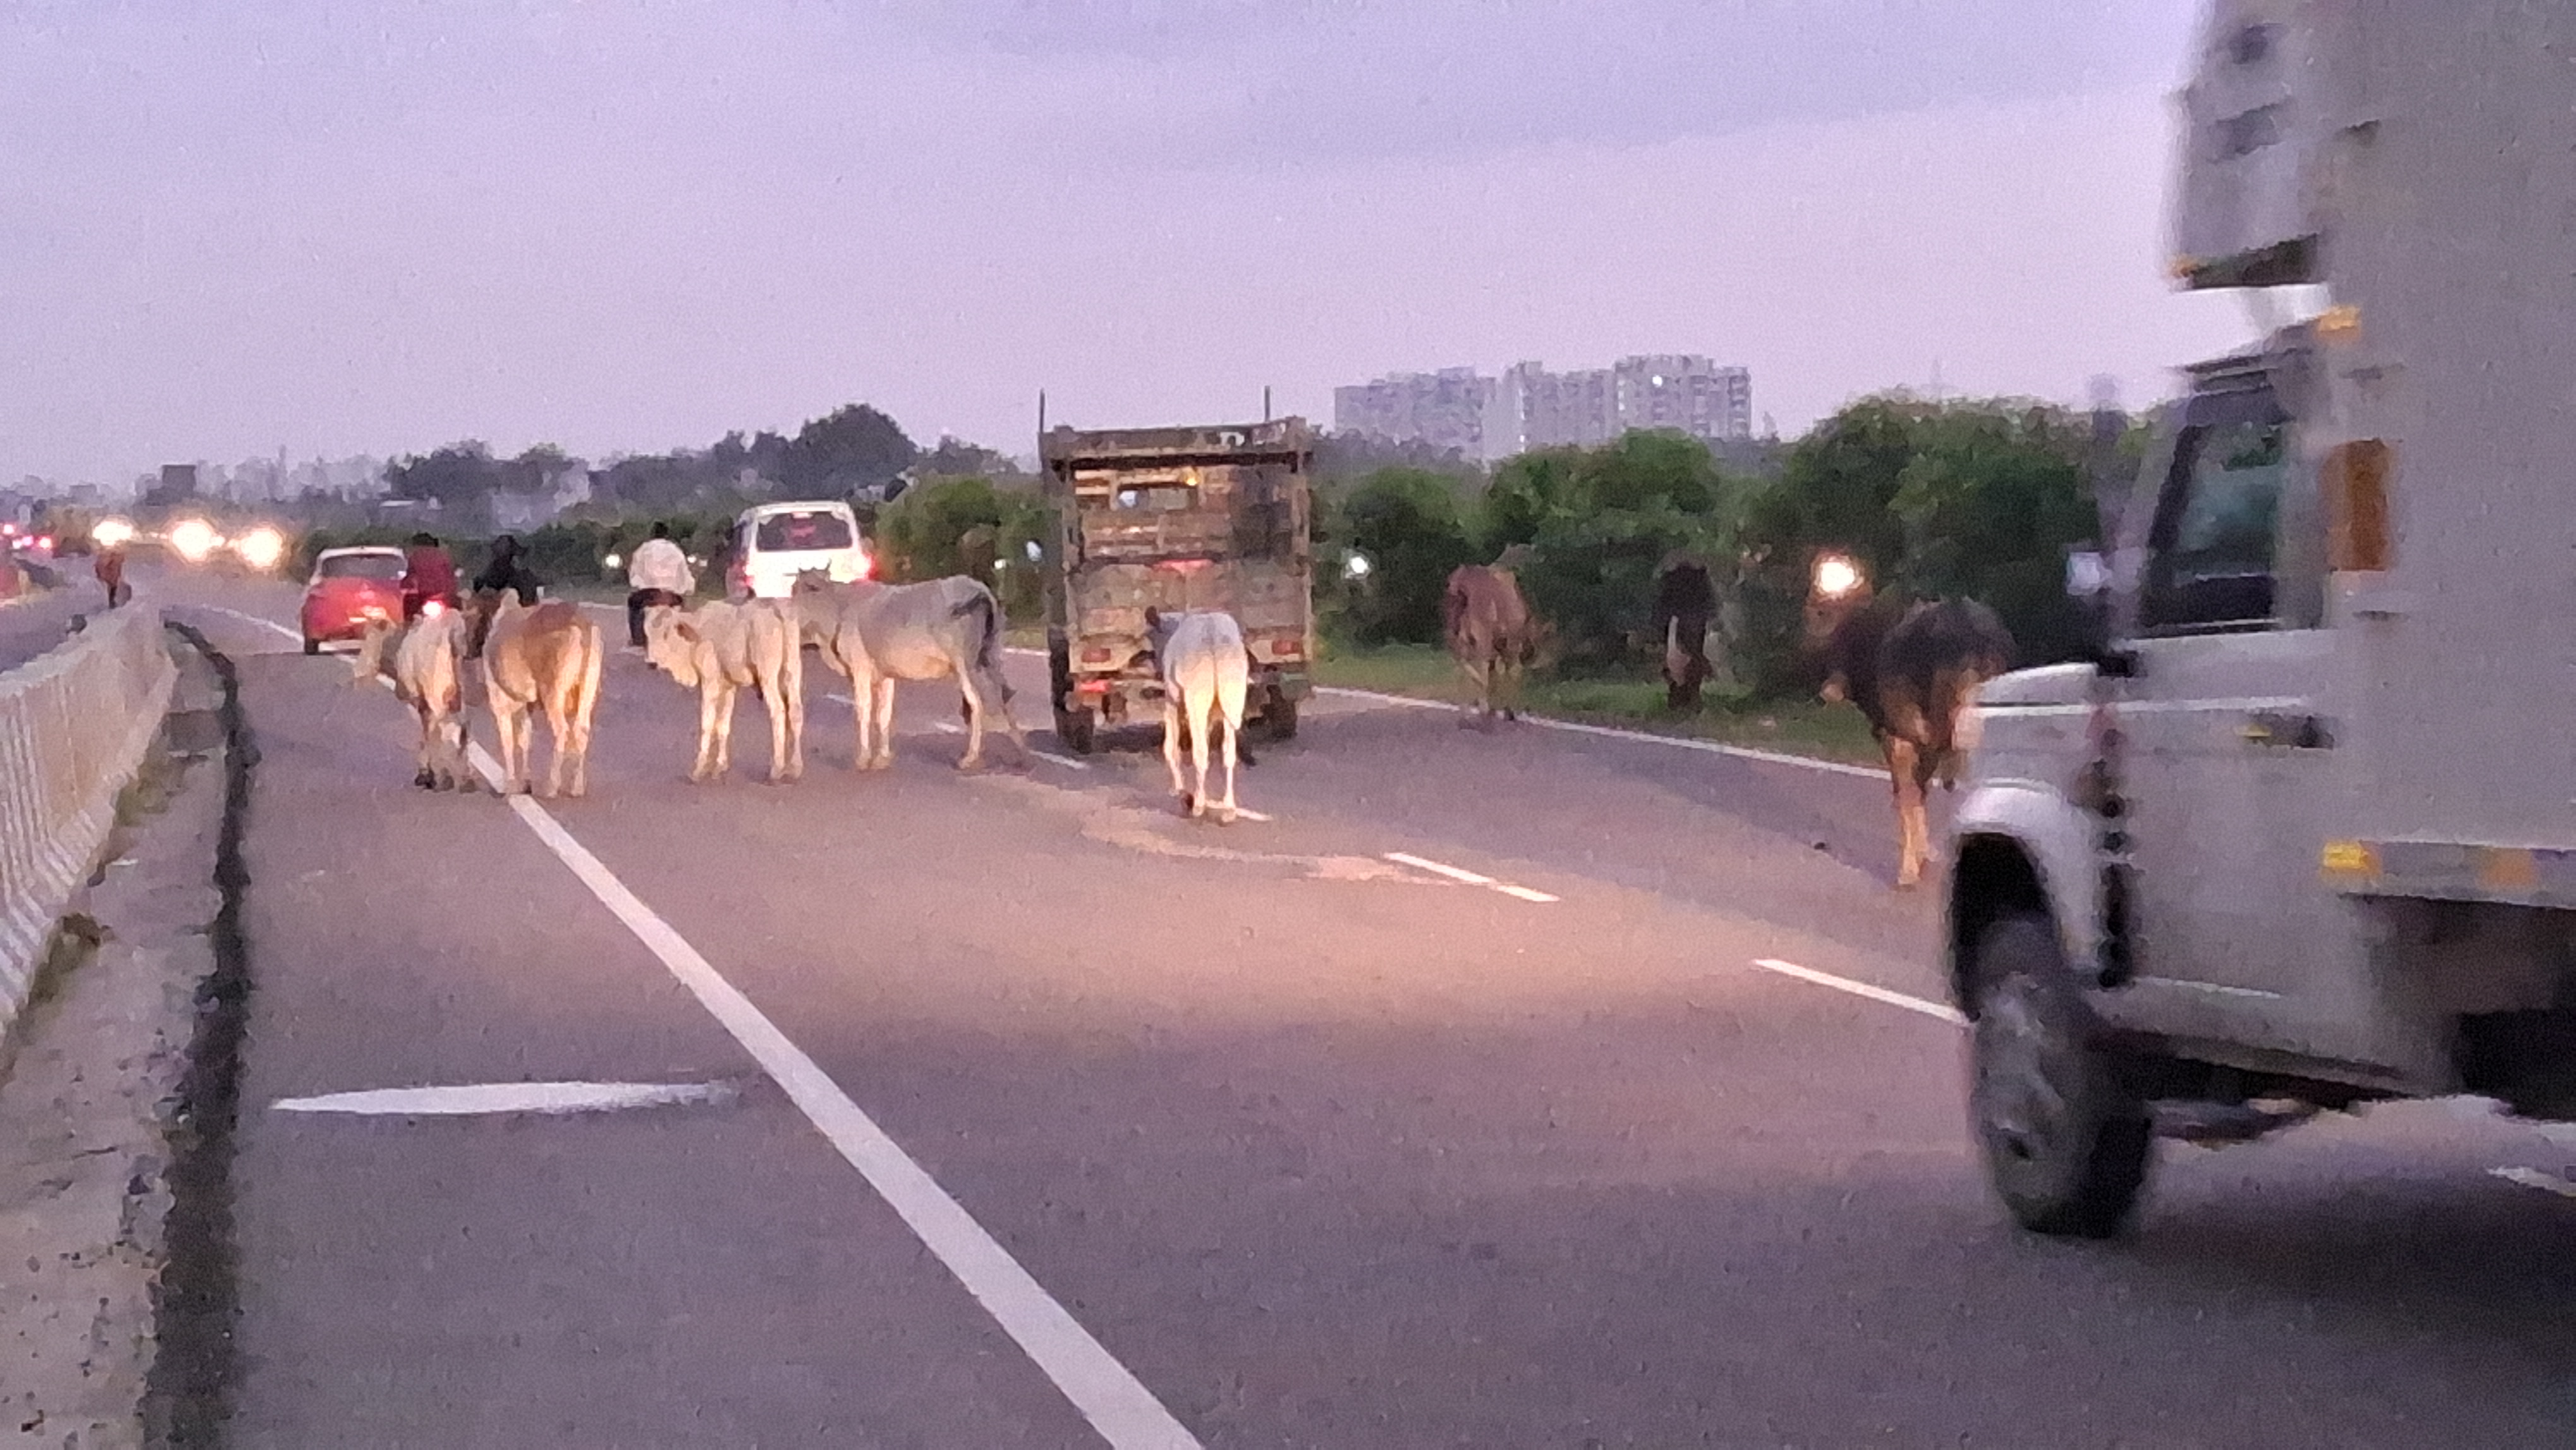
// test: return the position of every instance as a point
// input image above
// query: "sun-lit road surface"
(1292, 1144)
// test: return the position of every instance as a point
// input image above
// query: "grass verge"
(1794, 727)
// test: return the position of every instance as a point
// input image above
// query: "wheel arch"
(2017, 848)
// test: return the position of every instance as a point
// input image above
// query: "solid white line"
(464, 1099)
(1862, 989)
(270, 624)
(953, 728)
(1471, 878)
(1117, 1405)
(2534, 1178)
(1677, 742)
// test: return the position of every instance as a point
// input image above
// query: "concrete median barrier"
(74, 725)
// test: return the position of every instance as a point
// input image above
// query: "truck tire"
(1280, 719)
(2066, 1142)
(1075, 730)
(312, 646)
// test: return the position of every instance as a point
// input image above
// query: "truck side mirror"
(2088, 574)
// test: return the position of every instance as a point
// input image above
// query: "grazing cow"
(1913, 669)
(1206, 670)
(717, 649)
(873, 634)
(1490, 633)
(1685, 602)
(543, 658)
(427, 670)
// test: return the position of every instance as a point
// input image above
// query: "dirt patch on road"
(1112, 822)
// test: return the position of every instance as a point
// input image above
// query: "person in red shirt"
(109, 566)
(427, 574)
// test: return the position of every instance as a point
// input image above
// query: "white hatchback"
(775, 542)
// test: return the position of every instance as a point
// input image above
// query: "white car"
(774, 542)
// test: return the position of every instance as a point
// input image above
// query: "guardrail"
(74, 724)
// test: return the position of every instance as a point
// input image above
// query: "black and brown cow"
(1913, 668)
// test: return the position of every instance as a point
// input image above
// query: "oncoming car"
(351, 587)
(774, 542)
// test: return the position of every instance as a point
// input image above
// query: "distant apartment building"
(1445, 409)
(1530, 407)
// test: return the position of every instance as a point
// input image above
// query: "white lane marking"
(1471, 878)
(466, 1099)
(2534, 1178)
(269, 624)
(1863, 989)
(1576, 727)
(1118, 1406)
(953, 728)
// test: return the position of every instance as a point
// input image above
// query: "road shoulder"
(88, 1102)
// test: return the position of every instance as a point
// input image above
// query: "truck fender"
(2016, 845)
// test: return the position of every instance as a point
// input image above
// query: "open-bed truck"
(1176, 519)
(2302, 835)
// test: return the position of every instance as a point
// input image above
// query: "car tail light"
(429, 609)
(867, 567)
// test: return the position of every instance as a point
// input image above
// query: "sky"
(231, 226)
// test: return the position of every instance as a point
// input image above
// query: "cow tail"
(988, 653)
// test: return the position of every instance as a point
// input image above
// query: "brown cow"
(1913, 669)
(547, 658)
(1490, 632)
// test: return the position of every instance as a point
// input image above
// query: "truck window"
(2213, 544)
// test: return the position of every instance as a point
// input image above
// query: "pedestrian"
(428, 573)
(658, 574)
(508, 569)
(109, 566)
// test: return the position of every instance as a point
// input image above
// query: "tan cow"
(874, 634)
(717, 649)
(546, 658)
(1490, 632)
(427, 672)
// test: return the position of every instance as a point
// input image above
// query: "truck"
(2299, 836)
(1213, 517)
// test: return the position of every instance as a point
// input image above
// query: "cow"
(873, 634)
(424, 661)
(1206, 670)
(1490, 632)
(547, 657)
(1685, 602)
(1913, 668)
(717, 649)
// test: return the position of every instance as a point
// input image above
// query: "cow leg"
(511, 726)
(708, 713)
(1172, 743)
(724, 696)
(559, 729)
(997, 698)
(882, 722)
(426, 777)
(862, 714)
(1233, 722)
(1202, 714)
(972, 698)
(791, 693)
(1904, 769)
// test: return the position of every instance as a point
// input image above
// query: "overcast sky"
(228, 226)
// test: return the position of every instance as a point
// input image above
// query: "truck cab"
(2302, 835)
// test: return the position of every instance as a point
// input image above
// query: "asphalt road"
(1030, 1114)
(35, 622)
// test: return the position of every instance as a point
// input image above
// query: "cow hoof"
(424, 780)
(1225, 816)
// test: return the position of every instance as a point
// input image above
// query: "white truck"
(2302, 835)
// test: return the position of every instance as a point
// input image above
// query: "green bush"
(1412, 527)
(966, 526)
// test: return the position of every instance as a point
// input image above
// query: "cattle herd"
(1911, 666)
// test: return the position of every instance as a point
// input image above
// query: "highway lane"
(1323, 1150)
(34, 623)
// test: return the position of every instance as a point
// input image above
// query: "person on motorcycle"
(658, 574)
(509, 570)
(428, 573)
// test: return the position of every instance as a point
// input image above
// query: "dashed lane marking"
(1471, 878)
(474, 1099)
(1115, 1403)
(1862, 989)
(953, 728)
(267, 624)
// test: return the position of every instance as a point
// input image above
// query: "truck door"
(2231, 755)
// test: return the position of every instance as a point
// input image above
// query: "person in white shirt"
(658, 574)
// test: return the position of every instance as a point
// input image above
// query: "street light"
(111, 533)
(1836, 576)
(1356, 567)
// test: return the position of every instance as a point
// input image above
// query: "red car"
(349, 588)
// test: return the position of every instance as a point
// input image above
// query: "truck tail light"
(1097, 655)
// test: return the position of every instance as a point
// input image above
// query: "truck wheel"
(1074, 729)
(1280, 719)
(2066, 1142)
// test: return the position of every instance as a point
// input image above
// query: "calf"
(717, 649)
(427, 672)
(543, 658)
(1206, 671)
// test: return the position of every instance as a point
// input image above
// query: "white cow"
(874, 634)
(543, 659)
(718, 648)
(1206, 672)
(427, 671)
